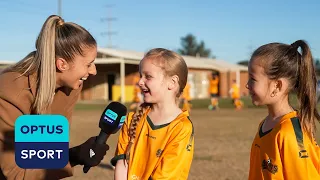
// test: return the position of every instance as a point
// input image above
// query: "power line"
(60, 8)
(109, 31)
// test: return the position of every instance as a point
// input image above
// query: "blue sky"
(232, 29)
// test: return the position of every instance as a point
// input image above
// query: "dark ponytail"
(306, 88)
(285, 61)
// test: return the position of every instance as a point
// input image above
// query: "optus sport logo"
(41, 141)
(110, 116)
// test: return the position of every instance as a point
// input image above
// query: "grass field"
(222, 140)
(225, 103)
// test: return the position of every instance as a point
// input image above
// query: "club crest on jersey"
(303, 154)
(159, 152)
(189, 147)
(267, 164)
(135, 177)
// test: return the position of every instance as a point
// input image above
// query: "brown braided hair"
(133, 126)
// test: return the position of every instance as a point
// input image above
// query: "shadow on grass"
(224, 103)
(106, 166)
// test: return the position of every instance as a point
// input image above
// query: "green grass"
(227, 103)
(92, 106)
(196, 104)
(224, 103)
(82, 107)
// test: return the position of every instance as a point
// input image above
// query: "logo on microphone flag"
(123, 118)
(110, 116)
(41, 141)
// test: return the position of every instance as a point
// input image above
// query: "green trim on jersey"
(299, 137)
(191, 137)
(155, 127)
(261, 134)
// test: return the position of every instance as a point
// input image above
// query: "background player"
(213, 91)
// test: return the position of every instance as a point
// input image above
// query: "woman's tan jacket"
(16, 97)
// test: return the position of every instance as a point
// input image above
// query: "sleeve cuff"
(115, 159)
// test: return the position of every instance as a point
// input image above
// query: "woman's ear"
(62, 64)
(173, 82)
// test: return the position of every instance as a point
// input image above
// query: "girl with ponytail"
(284, 146)
(156, 141)
(47, 81)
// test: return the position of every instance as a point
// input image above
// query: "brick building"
(117, 69)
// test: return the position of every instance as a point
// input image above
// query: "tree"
(244, 62)
(317, 62)
(191, 47)
(317, 65)
(201, 49)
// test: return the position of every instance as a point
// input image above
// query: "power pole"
(109, 32)
(59, 8)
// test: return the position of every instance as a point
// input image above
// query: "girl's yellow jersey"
(159, 152)
(235, 91)
(213, 86)
(186, 92)
(284, 152)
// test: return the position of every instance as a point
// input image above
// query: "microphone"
(110, 122)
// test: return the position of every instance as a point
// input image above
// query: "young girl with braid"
(284, 146)
(156, 142)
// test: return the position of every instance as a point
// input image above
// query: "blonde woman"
(48, 81)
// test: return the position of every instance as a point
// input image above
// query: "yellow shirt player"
(213, 91)
(284, 152)
(235, 95)
(157, 141)
(186, 92)
(160, 151)
(137, 94)
(235, 91)
(186, 105)
(213, 86)
(136, 90)
(284, 148)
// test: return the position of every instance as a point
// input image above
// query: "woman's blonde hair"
(172, 64)
(57, 39)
